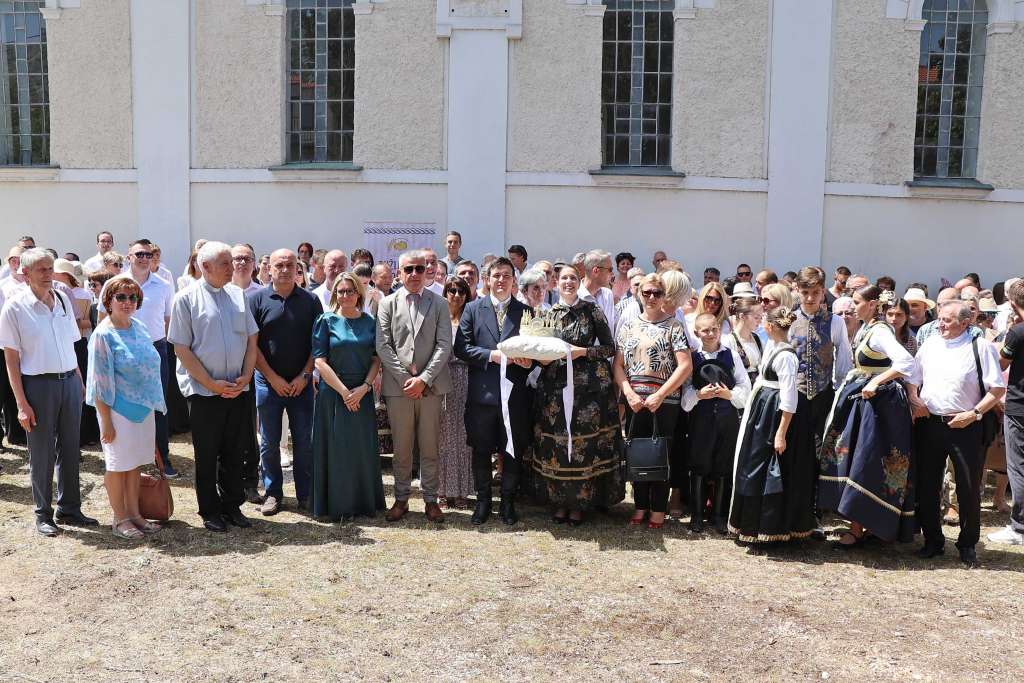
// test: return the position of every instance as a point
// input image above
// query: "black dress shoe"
(482, 511)
(214, 524)
(236, 518)
(930, 551)
(507, 512)
(252, 495)
(47, 528)
(75, 519)
(969, 557)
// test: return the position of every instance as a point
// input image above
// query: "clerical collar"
(209, 287)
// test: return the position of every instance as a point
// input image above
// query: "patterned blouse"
(649, 353)
(124, 371)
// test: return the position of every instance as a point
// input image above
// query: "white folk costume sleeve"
(882, 340)
(843, 351)
(741, 391)
(785, 366)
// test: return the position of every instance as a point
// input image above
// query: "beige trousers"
(415, 421)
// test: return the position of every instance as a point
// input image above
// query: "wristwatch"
(307, 375)
(977, 415)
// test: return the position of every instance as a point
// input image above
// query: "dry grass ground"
(295, 599)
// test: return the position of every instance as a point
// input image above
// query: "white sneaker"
(1007, 535)
(286, 460)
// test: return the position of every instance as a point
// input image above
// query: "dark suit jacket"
(478, 335)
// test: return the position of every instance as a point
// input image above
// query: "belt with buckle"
(54, 375)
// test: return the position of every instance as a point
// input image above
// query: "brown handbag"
(155, 500)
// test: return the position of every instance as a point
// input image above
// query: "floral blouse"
(649, 353)
(124, 371)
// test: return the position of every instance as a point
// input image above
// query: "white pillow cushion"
(534, 348)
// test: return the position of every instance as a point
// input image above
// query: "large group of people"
(782, 399)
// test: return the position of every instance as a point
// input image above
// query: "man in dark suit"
(485, 322)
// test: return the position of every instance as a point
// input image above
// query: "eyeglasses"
(143, 254)
(345, 292)
(745, 273)
(121, 298)
(409, 270)
(119, 264)
(242, 259)
(713, 299)
(652, 293)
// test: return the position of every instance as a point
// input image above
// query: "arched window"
(321, 80)
(24, 90)
(636, 82)
(950, 77)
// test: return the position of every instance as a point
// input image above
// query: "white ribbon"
(568, 398)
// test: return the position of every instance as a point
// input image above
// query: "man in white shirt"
(452, 244)
(430, 257)
(960, 381)
(243, 262)
(25, 242)
(518, 256)
(38, 332)
(155, 314)
(597, 274)
(105, 243)
(158, 268)
(334, 265)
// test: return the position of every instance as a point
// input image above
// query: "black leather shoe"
(215, 524)
(252, 495)
(696, 503)
(482, 512)
(969, 557)
(507, 511)
(75, 519)
(236, 518)
(930, 551)
(47, 528)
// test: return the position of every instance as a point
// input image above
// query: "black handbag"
(647, 458)
(989, 422)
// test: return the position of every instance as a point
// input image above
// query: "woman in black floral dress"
(588, 476)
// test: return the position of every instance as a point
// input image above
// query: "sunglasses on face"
(713, 299)
(345, 292)
(409, 270)
(143, 254)
(766, 300)
(745, 273)
(652, 293)
(121, 298)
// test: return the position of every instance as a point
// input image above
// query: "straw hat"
(743, 290)
(987, 305)
(917, 294)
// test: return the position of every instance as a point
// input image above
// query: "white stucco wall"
(1000, 154)
(399, 106)
(67, 216)
(923, 239)
(239, 86)
(555, 90)
(718, 117)
(89, 62)
(874, 99)
(330, 215)
(698, 228)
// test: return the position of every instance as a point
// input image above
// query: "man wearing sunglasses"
(743, 273)
(414, 341)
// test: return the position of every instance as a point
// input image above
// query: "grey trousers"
(1013, 430)
(54, 442)
(415, 421)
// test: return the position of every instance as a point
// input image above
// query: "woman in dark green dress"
(589, 476)
(346, 460)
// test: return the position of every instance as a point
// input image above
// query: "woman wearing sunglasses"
(712, 299)
(652, 361)
(124, 386)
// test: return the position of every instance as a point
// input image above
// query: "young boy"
(718, 388)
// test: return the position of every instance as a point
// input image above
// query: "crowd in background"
(784, 398)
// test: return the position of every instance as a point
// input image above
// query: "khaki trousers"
(415, 421)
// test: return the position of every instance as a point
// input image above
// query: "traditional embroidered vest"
(865, 359)
(812, 340)
(723, 361)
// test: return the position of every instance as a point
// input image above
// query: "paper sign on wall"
(386, 240)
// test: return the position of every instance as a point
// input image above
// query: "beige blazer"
(405, 352)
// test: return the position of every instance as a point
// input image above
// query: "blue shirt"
(124, 371)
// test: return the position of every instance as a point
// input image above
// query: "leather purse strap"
(977, 366)
(632, 424)
(159, 463)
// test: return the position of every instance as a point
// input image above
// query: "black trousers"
(485, 431)
(653, 495)
(678, 461)
(963, 447)
(218, 432)
(250, 443)
(10, 425)
(816, 409)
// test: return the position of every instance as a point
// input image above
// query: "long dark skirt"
(866, 461)
(773, 495)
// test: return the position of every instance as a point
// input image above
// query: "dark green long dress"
(346, 460)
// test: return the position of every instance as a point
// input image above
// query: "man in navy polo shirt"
(285, 314)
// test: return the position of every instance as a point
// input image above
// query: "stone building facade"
(792, 131)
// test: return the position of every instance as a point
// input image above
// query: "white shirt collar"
(499, 304)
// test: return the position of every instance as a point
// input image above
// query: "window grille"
(636, 83)
(321, 80)
(950, 76)
(24, 88)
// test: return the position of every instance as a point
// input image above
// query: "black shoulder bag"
(989, 424)
(646, 458)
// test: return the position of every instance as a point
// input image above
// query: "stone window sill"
(326, 173)
(956, 188)
(633, 176)
(29, 173)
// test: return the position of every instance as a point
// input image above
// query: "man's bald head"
(334, 265)
(947, 294)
